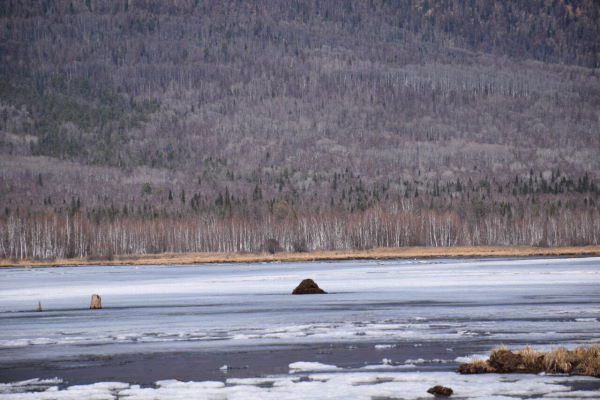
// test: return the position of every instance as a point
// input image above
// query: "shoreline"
(382, 253)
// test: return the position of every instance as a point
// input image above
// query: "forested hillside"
(145, 126)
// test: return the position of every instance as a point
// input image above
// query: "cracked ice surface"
(149, 309)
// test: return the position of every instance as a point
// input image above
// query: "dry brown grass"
(583, 360)
(478, 366)
(498, 349)
(482, 365)
(378, 253)
(558, 361)
(589, 360)
(531, 359)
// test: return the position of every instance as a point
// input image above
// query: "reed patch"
(583, 360)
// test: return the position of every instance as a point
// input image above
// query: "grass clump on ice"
(583, 360)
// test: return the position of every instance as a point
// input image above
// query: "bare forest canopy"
(146, 126)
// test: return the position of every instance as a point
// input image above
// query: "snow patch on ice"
(358, 385)
(388, 366)
(577, 394)
(423, 361)
(29, 385)
(173, 383)
(384, 346)
(305, 366)
(471, 358)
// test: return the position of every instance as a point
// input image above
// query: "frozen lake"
(386, 330)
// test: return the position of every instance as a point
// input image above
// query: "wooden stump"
(96, 303)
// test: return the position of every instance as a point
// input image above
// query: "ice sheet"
(250, 305)
(458, 304)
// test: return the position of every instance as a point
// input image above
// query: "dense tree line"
(537, 210)
(133, 112)
(53, 236)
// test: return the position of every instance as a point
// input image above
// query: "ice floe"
(323, 385)
(304, 366)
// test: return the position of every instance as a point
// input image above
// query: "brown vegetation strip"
(320, 255)
(582, 360)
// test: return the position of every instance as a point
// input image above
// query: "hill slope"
(162, 109)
